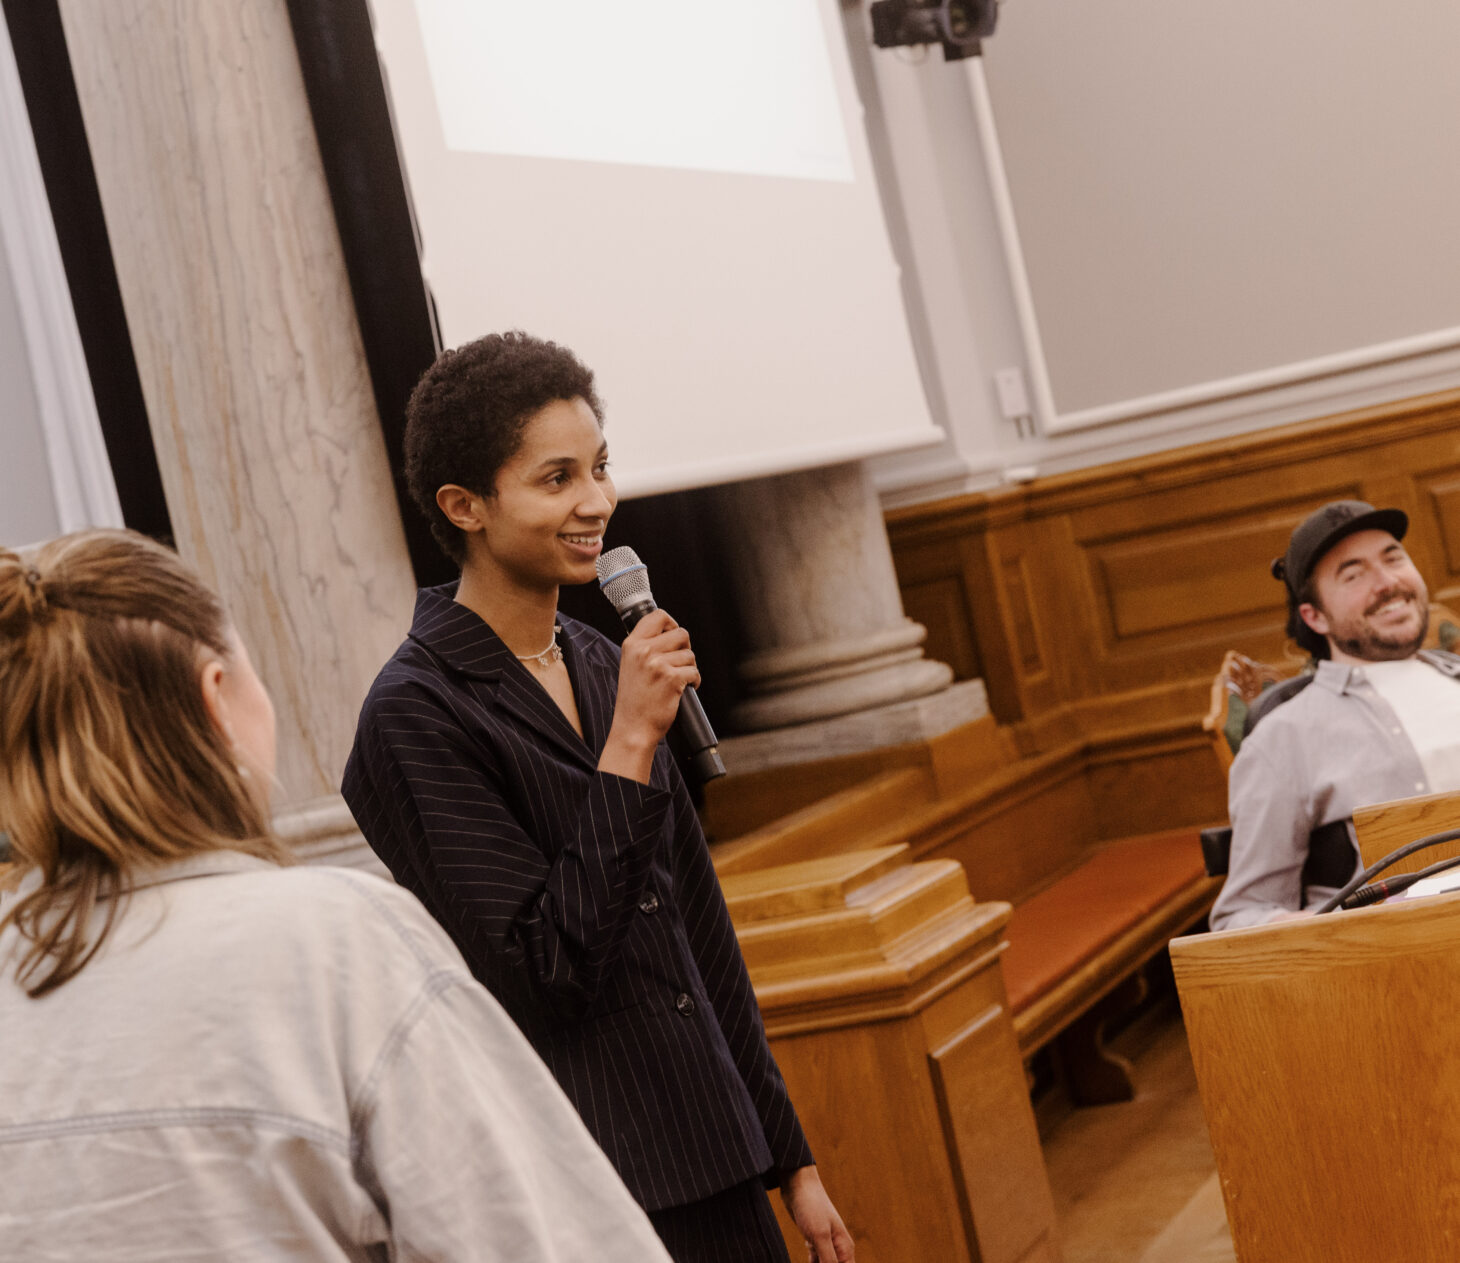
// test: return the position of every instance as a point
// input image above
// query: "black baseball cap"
(1323, 528)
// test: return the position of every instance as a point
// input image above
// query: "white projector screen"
(680, 191)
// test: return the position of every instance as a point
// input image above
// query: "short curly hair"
(466, 416)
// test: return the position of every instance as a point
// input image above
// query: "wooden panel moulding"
(1350, 437)
(980, 577)
(989, 1129)
(1214, 570)
(1155, 707)
(942, 606)
(831, 825)
(1167, 785)
(1023, 634)
(1442, 495)
(742, 803)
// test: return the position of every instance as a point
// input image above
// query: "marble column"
(834, 665)
(251, 362)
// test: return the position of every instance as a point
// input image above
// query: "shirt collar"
(1336, 677)
(1341, 678)
(208, 864)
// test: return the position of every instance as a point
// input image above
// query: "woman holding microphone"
(509, 768)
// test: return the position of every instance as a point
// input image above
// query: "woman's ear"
(213, 699)
(461, 507)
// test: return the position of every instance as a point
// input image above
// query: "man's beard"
(1359, 639)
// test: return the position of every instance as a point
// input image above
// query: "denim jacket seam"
(182, 1116)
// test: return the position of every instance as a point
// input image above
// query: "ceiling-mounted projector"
(959, 26)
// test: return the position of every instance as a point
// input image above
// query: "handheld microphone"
(625, 581)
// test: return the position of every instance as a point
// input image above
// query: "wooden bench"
(1077, 947)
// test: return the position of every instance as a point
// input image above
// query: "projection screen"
(682, 192)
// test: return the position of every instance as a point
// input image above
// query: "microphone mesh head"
(623, 578)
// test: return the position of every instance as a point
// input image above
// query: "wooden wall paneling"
(837, 823)
(1140, 574)
(1396, 483)
(977, 567)
(1441, 499)
(935, 593)
(1435, 529)
(969, 755)
(1012, 832)
(1187, 579)
(1176, 594)
(1024, 637)
(1038, 613)
(739, 804)
(1074, 616)
(1159, 703)
(810, 804)
(1017, 833)
(941, 605)
(1156, 781)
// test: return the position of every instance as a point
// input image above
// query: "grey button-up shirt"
(1335, 747)
(288, 1064)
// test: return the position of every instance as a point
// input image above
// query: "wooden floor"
(1136, 1183)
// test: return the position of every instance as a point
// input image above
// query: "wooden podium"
(879, 982)
(1327, 1052)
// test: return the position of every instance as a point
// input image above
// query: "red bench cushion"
(1052, 934)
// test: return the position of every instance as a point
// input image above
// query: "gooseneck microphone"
(625, 581)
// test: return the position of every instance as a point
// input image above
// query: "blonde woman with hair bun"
(204, 1052)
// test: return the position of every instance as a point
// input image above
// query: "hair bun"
(22, 593)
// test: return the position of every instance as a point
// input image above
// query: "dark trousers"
(736, 1226)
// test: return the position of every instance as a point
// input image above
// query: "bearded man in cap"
(1378, 719)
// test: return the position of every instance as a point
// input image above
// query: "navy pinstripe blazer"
(585, 901)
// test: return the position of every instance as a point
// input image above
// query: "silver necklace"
(548, 656)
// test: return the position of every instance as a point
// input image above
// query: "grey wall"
(1208, 191)
(27, 502)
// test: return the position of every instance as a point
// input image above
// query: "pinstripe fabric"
(585, 901)
(736, 1226)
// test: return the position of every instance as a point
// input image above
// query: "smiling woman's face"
(544, 526)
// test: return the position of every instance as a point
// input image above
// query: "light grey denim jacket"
(1335, 747)
(287, 1064)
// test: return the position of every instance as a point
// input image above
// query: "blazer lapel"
(461, 639)
(528, 702)
(595, 680)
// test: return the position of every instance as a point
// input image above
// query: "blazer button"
(685, 1004)
(649, 904)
